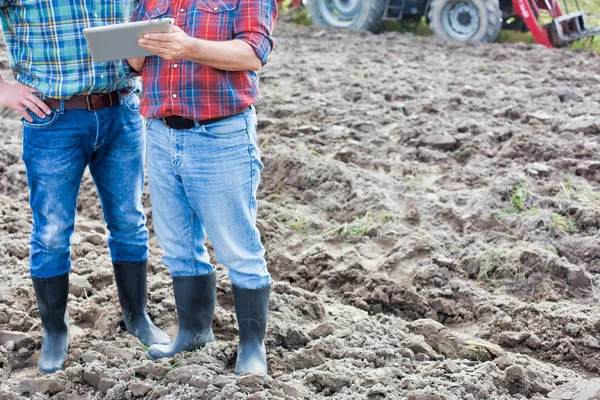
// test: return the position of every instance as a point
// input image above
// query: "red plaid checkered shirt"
(196, 91)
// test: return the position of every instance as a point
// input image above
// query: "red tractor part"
(564, 28)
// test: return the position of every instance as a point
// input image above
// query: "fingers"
(158, 37)
(40, 104)
(158, 50)
(23, 111)
(147, 45)
(34, 108)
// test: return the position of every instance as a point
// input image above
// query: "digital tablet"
(120, 41)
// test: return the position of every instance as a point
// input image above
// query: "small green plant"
(584, 194)
(359, 227)
(518, 197)
(497, 264)
(588, 193)
(299, 223)
(484, 271)
(460, 153)
(561, 223)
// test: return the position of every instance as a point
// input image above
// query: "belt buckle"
(90, 106)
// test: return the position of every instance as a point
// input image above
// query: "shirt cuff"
(261, 44)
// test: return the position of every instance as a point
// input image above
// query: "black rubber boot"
(132, 288)
(52, 295)
(195, 298)
(251, 309)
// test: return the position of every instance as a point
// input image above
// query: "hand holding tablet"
(120, 41)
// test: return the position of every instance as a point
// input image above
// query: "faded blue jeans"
(203, 181)
(56, 151)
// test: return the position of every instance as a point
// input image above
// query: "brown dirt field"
(431, 214)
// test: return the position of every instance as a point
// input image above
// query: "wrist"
(188, 48)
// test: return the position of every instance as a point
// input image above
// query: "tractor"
(551, 24)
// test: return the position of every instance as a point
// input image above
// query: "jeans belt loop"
(62, 107)
(89, 103)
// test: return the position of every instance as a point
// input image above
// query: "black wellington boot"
(251, 309)
(195, 298)
(52, 295)
(130, 278)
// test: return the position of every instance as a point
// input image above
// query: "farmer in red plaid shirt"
(204, 163)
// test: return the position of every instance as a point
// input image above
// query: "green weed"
(497, 264)
(519, 196)
(461, 153)
(299, 223)
(583, 194)
(561, 223)
(358, 227)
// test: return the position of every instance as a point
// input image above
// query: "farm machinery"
(551, 22)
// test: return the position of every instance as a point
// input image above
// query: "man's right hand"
(22, 98)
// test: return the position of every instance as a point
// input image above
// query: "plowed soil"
(431, 214)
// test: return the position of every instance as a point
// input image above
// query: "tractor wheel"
(466, 20)
(354, 14)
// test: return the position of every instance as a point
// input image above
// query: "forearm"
(136, 63)
(232, 55)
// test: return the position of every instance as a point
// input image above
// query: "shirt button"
(174, 96)
(182, 10)
(102, 76)
(174, 65)
(216, 8)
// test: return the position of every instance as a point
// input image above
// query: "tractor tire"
(363, 15)
(466, 20)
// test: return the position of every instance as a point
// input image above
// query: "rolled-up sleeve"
(254, 23)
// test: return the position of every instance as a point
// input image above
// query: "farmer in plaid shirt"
(204, 163)
(77, 114)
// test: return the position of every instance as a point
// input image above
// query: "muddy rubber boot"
(251, 309)
(195, 298)
(52, 295)
(130, 278)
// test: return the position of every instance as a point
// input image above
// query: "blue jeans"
(204, 181)
(56, 151)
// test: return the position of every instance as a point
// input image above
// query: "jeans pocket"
(132, 102)
(38, 122)
(227, 128)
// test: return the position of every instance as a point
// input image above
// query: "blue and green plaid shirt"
(47, 49)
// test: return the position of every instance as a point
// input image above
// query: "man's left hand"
(170, 46)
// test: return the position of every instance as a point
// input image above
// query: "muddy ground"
(431, 214)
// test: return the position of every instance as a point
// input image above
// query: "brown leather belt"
(90, 102)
